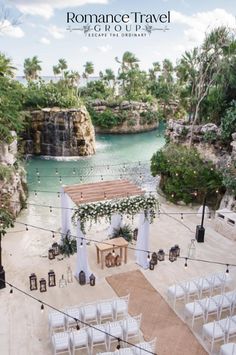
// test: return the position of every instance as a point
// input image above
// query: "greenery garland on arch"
(129, 206)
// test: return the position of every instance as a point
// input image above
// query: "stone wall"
(133, 116)
(60, 132)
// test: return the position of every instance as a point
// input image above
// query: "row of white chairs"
(139, 349)
(213, 305)
(219, 330)
(97, 312)
(197, 287)
(228, 349)
(100, 334)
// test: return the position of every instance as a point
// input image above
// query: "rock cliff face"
(133, 116)
(60, 132)
(13, 188)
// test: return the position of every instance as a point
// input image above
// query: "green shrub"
(126, 232)
(68, 246)
(228, 123)
(210, 137)
(5, 172)
(183, 173)
(106, 119)
(148, 117)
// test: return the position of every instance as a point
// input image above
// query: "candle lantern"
(151, 264)
(172, 254)
(55, 247)
(161, 255)
(177, 250)
(42, 285)
(51, 254)
(135, 234)
(69, 275)
(51, 278)
(154, 258)
(82, 278)
(92, 280)
(33, 282)
(62, 282)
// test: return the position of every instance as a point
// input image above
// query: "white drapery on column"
(116, 222)
(142, 241)
(82, 258)
(66, 205)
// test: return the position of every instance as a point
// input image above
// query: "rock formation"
(60, 132)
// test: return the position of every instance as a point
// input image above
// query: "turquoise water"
(117, 156)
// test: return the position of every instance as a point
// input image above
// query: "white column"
(142, 241)
(66, 212)
(82, 258)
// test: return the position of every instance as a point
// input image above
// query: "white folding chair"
(105, 310)
(224, 304)
(131, 327)
(195, 310)
(124, 351)
(205, 285)
(79, 340)
(61, 343)
(141, 347)
(97, 336)
(116, 331)
(120, 306)
(89, 313)
(212, 307)
(177, 292)
(228, 349)
(231, 330)
(56, 321)
(192, 289)
(73, 313)
(215, 331)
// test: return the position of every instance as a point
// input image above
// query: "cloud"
(200, 23)
(46, 10)
(84, 49)
(7, 29)
(45, 40)
(105, 48)
(56, 32)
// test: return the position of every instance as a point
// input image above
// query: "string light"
(73, 171)
(11, 290)
(58, 194)
(42, 307)
(50, 208)
(182, 216)
(118, 345)
(26, 227)
(148, 257)
(81, 196)
(113, 251)
(102, 178)
(53, 235)
(60, 180)
(37, 171)
(39, 180)
(35, 193)
(81, 243)
(56, 171)
(77, 325)
(186, 263)
(227, 268)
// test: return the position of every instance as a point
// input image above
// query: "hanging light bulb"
(81, 243)
(26, 227)
(73, 171)
(140, 177)
(108, 167)
(58, 194)
(186, 263)
(37, 171)
(42, 307)
(60, 180)
(53, 235)
(39, 180)
(50, 208)
(35, 193)
(56, 171)
(77, 325)
(194, 171)
(105, 195)
(217, 191)
(118, 345)
(81, 196)
(182, 216)
(176, 174)
(227, 269)
(148, 257)
(101, 177)
(11, 290)
(195, 193)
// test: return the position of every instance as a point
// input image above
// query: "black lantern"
(154, 258)
(51, 278)
(135, 234)
(82, 278)
(33, 282)
(55, 247)
(51, 254)
(172, 254)
(92, 280)
(42, 285)
(151, 264)
(161, 255)
(177, 250)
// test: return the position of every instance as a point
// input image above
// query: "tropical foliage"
(67, 246)
(125, 231)
(184, 175)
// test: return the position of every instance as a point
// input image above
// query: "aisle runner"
(158, 320)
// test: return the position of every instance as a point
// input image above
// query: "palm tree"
(31, 68)
(88, 69)
(6, 69)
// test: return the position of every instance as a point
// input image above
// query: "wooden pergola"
(101, 191)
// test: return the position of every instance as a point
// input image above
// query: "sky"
(41, 30)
